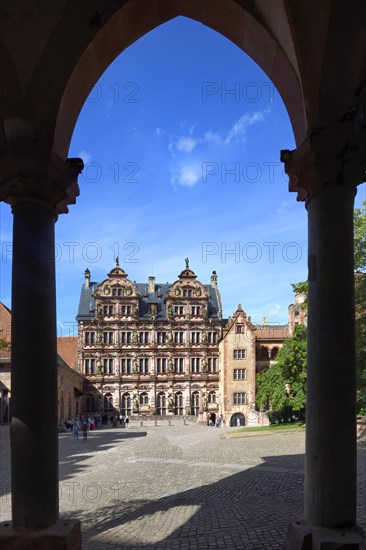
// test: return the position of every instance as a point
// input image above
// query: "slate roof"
(86, 311)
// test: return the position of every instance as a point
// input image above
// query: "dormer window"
(187, 293)
(239, 329)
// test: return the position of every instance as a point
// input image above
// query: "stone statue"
(204, 364)
(187, 263)
(170, 402)
(170, 365)
(135, 366)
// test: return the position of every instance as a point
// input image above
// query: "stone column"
(34, 437)
(330, 466)
(37, 197)
(321, 176)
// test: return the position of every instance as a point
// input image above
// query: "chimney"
(214, 279)
(151, 283)
(87, 278)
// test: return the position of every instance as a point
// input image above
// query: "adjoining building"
(70, 384)
(164, 349)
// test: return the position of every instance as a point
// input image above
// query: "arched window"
(212, 397)
(126, 408)
(178, 403)
(144, 398)
(195, 403)
(108, 403)
(90, 403)
(161, 404)
(262, 353)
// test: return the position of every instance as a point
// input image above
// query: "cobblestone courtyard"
(181, 487)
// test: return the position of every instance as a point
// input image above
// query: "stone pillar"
(330, 466)
(37, 194)
(321, 176)
(33, 430)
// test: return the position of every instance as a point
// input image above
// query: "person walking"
(75, 429)
(127, 420)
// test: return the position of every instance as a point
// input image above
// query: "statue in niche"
(170, 365)
(135, 365)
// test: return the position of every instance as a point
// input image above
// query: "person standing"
(85, 431)
(75, 429)
(127, 420)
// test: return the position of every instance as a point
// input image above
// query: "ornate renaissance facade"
(151, 349)
(148, 348)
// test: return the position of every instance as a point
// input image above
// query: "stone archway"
(237, 420)
(64, 52)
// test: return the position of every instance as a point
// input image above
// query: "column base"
(63, 535)
(307, 536)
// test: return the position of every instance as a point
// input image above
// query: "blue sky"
(181, 140)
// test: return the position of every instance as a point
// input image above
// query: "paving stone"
(161, 488)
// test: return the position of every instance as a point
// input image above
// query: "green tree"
(4, 344)
(283, 385)
(360, 298)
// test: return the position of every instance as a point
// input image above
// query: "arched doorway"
(161, 402)
(237, 420)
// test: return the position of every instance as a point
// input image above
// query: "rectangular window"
(89, 337)
(239, 329)
(179, 365)
(144, 337)
(195, 364)
(126, 311)
(187, 293)
(161, 337)
(126, 337)
(178, 337)
(107, 337)
(212, 337)
(108, 366)
(195, 337)
(212, 364)
(178, 310)
(239, 353)
(89, 366)
(196, 310)
(126, 366)
(161, 363)
(240, 374)
(144, 365)
(239, 398)
(108, 311)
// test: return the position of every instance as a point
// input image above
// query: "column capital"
(329, 156)
(43, 178)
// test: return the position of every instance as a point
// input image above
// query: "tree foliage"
(360, 299)
(4, 344)
(283, 385)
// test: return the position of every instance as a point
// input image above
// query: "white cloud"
(273, 311)
(158, 131)
(240, 126)
(86, 156)
(185, 175)
(186, 144)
